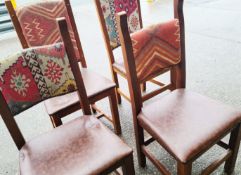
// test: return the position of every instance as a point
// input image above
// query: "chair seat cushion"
(82, 146)
(187, 123)
(95, 84)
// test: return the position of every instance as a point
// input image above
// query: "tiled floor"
(213, 41)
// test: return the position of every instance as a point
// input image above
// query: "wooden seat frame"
(178, 79)
(115, 72)
(126, 163)
(110, 93)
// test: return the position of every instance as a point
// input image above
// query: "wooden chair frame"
(178, 79)
(126, 163)
(110, 93)
(115, 72)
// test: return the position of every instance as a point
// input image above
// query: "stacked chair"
(106, 12)
(184, 123)
(71, 149)
(35, 25)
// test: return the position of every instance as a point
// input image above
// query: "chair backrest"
(155, 48)
(131, 49)
(35, 24)
(38, 73)
(107, 10)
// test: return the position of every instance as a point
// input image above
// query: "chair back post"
(133, 82)
(76, 34)
(16, 23)
(63, 28)
(10, 122)
(129, 61)
(180, 69)
(104, 32)
(139, 10)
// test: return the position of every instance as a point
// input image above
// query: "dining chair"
(184, 123)
(71, 149)
(106, 12)
(35, 26)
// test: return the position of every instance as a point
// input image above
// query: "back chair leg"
(234, 143)
(184, 169)
(176, 78)
(128, 166)
(114, 112)
(115, 78)
(143, 87)
(56, 121)
(93, 109)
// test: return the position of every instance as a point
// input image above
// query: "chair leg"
(115, 78)
(184, 169)
(234, 143)
(114, 112)
(143, 87)
(56, 121)
(139, 133)
(93, 109)
(128, 166)
(177, 80)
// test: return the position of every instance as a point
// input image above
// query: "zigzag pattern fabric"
(34, 75)
(155, 48)
(38, 23)
(110, 8)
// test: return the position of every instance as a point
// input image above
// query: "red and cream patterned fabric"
(156, 47)
(35, 74)
(38, 23)
(109, 10)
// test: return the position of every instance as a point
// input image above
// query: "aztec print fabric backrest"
(110, 8)
(34, 75)
(155, 48)
(39, 26)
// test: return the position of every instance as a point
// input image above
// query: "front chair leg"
(128, 166)
(114, 112)
(56, 121)
(184, 168)
(234, 143)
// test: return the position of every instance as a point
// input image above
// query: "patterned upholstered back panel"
(110, 8)
(155, 48)
(38, 23)
(35, 74)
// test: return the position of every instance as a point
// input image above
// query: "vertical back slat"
(76, 34)
(179, 72)
(16, 23)
(127, 50)
(74, 65)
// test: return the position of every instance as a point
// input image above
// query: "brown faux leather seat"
(81, 147)
(187, 123)
(94, 84)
